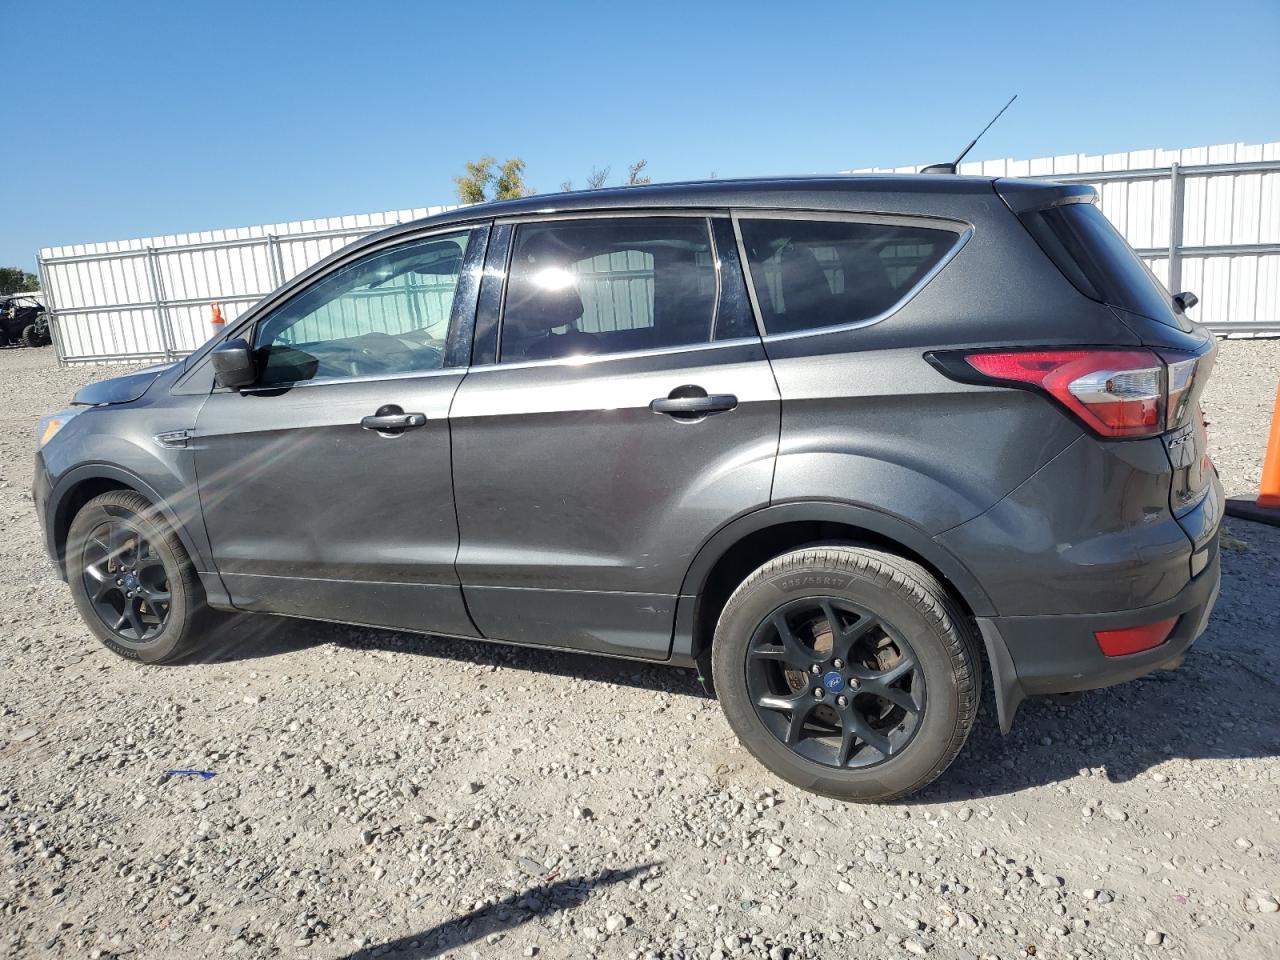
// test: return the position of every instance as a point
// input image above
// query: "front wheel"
(31, 336)
(132, 580)
(847, 671)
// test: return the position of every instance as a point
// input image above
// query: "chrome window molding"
(963, 233)
(331, 381)
(593, 358)
(576, 361)
(598, 213)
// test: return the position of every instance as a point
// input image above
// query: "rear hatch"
(1068, 226)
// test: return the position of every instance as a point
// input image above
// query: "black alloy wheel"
(126, 582)
(834, 683)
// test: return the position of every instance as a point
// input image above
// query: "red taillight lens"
(1118, 393)
(1118, 643)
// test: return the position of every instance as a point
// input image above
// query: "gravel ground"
(384, 794)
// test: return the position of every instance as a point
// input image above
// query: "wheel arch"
(751, 540)
(82, 484)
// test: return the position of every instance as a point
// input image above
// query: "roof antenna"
(954, 164)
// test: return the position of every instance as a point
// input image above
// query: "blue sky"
(128, 119)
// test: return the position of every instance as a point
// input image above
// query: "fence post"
(162, 312)
(274, 264)
(277, 260)
(1176, 185)
(59, 351)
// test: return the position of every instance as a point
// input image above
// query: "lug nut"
(815, 669)
(129, 594)
(842, 701)
(853, 683)
(838, 664)
(819, 692)
(119, 582)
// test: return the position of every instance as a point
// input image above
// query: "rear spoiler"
(1023, 196)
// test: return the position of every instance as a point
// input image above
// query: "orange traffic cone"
(216, 322)
(1266, 509)
(1269, 491)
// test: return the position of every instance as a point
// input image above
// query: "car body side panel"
(883, 429)
(1090, 532)
(118, 443)
(580, 508)
(309, 514)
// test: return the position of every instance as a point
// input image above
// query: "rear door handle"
(694, 406)
(391, 419)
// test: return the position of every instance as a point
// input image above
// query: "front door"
(623, 412)
(326, 488)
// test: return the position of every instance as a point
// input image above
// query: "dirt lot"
(385, 794)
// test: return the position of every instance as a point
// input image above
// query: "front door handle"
(390, 419)
(693, 402)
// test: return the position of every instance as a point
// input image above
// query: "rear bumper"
(1031, 656)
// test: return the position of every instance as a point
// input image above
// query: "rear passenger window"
(820, 273)
(581, 287)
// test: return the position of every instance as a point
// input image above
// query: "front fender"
(62, 497)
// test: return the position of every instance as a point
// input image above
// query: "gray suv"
(827, 440)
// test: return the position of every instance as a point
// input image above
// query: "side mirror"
(1185, 301)
(233, 364)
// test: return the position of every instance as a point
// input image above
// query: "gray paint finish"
(297, 495)
(566, 481)
(549, 503)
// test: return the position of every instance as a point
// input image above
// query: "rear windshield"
(1094, 257)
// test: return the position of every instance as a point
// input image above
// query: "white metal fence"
(1206, 219)
(149, 299)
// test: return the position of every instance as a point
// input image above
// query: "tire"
(910, 679)
(165, 569)
(31, 336)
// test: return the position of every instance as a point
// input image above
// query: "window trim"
(963, 232)
(515, 222)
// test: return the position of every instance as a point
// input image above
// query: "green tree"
(506, 180)
(509, 184)
(473, 185)
(16, 280)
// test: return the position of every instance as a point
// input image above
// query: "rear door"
(619, 410)
(317, 504)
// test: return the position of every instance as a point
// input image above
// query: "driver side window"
(386, 313)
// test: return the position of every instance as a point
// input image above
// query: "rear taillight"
(1119, 393)
(1182, 377)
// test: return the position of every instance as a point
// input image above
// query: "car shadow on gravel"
(506, 914)
(251, 637)
(1199, 712)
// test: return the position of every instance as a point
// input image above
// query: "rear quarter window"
(810, 274)
(1092, 254)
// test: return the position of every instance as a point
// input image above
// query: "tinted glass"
(387, 313)
(1093, 255)
(820, 273)
(579, 287)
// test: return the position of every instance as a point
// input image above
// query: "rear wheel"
(132, 580)
(31, 336)
(847, 671)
